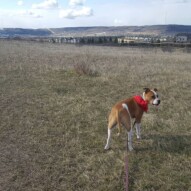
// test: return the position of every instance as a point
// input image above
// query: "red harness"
(141, 102)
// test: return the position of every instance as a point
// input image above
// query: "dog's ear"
(155, 90)
(147, 90)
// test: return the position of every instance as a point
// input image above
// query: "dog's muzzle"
(156, 102)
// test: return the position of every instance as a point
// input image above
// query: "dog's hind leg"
(130, 135)
(127, 123)
(112, 123)
(107, 146)
(119, 124)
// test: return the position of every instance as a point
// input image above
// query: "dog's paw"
(106, 147)
(130, 148)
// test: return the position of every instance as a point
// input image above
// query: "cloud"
(171, 1)
(20, 3)
(76, 9)
(76, 2)
(76, 12)
(118, 22)
(182, 1)
(27, 13)
(47, 4)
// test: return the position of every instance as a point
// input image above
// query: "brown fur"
(120, 116)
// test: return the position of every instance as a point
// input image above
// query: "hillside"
(10, 32)
(123, 30)
(100, 31)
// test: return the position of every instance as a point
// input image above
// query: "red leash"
(126, 173)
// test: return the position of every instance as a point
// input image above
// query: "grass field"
(54, 103)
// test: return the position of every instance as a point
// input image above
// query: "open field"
(53, 118)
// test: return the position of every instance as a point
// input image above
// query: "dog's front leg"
(130, 135)
(138, 130)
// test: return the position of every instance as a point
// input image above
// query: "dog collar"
(141, 102)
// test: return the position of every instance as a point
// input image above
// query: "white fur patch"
(125, 106)
(107, 146)
(156, 100)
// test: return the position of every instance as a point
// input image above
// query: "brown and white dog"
(123, 112)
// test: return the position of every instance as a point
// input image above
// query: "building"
(181, 39)
(125, 41)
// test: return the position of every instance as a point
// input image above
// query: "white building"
(181, 39)
(125, 41)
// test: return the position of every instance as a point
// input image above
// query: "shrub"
(85, 69)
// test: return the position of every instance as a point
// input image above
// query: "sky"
(75, 13)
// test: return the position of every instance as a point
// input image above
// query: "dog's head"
(151, 96)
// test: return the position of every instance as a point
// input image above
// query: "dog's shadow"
(179, 144)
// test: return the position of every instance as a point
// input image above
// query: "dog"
(124, 111)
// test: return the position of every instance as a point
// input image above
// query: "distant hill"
(123, 30)
(167, 30)
(12, 32)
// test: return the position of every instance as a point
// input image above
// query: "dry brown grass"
(53, 121)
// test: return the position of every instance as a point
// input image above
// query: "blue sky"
(72, 13)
